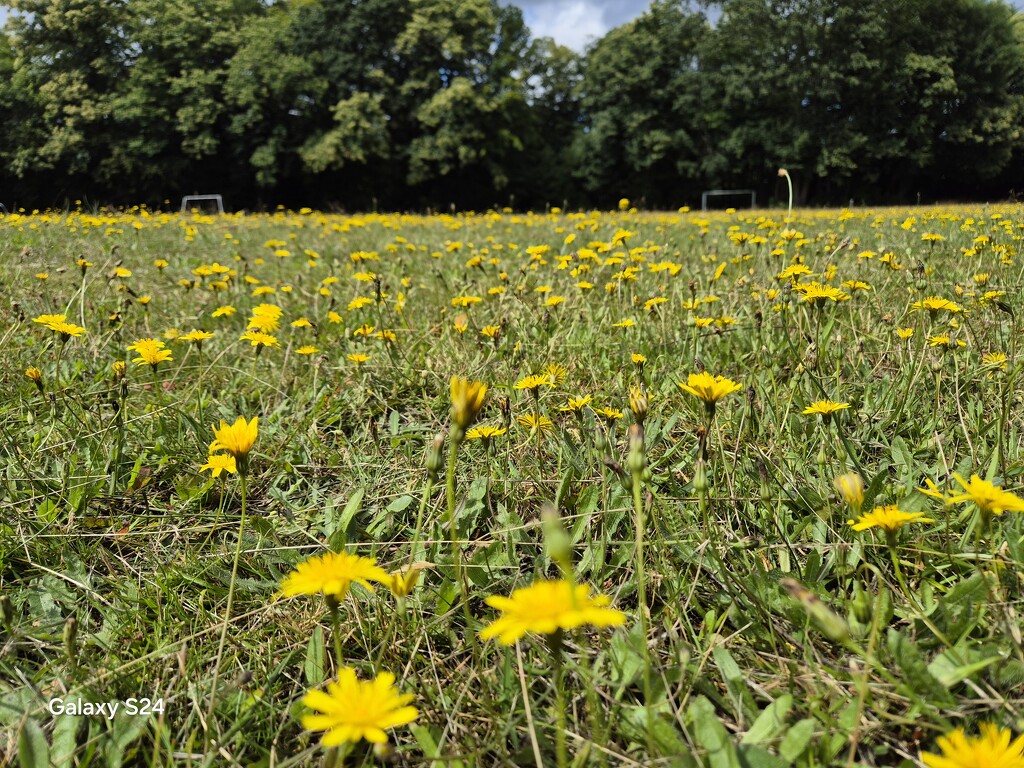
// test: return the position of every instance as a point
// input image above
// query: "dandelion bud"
(557, 544)
(638, 404)
(467, 400)
(435, 456)
(601, 443)
(36, 377)
(119, 369)
(822, 458)
(765, 491)
(384, 752)
(861, 604)
(402, 581)
(626, 480)
(828, 621)
(700, 477)
(851, 488)
(636, 459)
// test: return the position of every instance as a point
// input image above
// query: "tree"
(465, 89)
(640, 100)
(862, 99)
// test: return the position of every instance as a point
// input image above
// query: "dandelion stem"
(227, 615)
(561, 749)
(427, 490)
(332, 607)
(453, 536)
(641, 588)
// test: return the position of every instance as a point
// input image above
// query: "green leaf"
(795, 742)
(949, 673)
(64, 741)
(958, 609)
(735, 682)
(711, 735)
(314, 667)
(909, 660)
(48, 511)
(771, 723)
(33, 751)
(625, 656)
(339, 530)
(667, 738)
(755, 757)
(401, 503)
(125, 731)
(901, 453)
(874, 487)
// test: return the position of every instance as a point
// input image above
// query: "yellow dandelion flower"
(220, 462)
(352, 710)
(467, 398)
(259, 339)
(824, 408)
(991, 749)
(991, 499)
(890, 518)
(485, 432)
(151, 352)
(541, 424)
(709, 388)
(333, 574)
(197, 337)
(545, 607)
(534, 382)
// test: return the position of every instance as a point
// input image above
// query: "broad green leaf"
(795, 742)
(913, 669)
(63, 741)
(771, 723)
(949, 672)
(401, 503)
(755, 757)
(735, 682)
(711, 735)
(314, 667)
(33, 751)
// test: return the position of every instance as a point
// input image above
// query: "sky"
(574, 23)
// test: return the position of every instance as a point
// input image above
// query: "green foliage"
(448, 101)
(640, 95)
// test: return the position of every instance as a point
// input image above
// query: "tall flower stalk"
(636, 463)
(237, 440)
(467, 399)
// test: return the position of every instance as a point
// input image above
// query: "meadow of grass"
(870, 370)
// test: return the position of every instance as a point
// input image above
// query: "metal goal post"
(196, 198)
(727, 193)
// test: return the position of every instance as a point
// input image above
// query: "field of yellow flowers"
(557, 489)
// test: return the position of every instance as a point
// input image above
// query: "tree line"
(396, 104)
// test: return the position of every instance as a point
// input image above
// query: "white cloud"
(573, 23)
